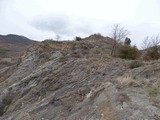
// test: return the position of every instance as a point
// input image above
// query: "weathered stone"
(52, 83)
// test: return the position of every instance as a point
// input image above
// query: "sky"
(44, 19)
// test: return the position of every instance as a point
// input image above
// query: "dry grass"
(157, 74)
(107, 111)
(60, 46)
(154, 90)
(24, 116)
(63, 59)
(135, 64)
(128, 82)
(157, 83)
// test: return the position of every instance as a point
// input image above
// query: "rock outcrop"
(78, 80)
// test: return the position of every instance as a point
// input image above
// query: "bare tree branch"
(57, 37)
(151, 46)
(155, 40)
(146, 43)
(118, 34)
(150, 42)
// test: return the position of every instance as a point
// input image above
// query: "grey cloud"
(82, 25)
(63, 25)
(57, 24)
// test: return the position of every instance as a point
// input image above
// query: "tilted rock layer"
(78, 80)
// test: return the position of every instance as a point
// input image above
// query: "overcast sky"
(42, 19)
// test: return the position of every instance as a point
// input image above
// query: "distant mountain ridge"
(11, 46)
(12, 38)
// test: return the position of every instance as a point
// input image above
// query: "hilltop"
(11, 46)
(15, 39)
(79, 80)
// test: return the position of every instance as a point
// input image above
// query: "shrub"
(76, 55)
(78, 38)
(2, 106)
(154, 90)
(6, 101)
(135, 64)
(128, 82)
(151, 46)
(128, 52)
(3, 50)
(152, 54)
(63, 59)
(127, 41)
(6, 63)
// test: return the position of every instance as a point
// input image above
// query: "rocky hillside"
(11, 46)
(79, 80)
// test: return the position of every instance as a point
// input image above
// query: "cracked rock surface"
(79, 80)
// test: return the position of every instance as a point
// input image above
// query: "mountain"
(79, 80)
(11, 46)
(15, 39)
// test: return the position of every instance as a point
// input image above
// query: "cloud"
(57, 24)
(63, 24)
(3, 5)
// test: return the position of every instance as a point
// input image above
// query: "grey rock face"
(77, 81)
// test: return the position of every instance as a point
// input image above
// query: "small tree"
(146, 43)
(151, 46)
(57, 37)
(118, 34)
(127, 41)
(78, 38)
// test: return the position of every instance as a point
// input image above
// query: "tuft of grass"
(154, 90)
(107, 111)
(6, 63)
(85, 52)
(63, 59)
(135, 64)
(76, 55)
(3, 50)
(128, 82)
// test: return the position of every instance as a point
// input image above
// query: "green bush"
(78, 38)
(128, 52)
(127, 41)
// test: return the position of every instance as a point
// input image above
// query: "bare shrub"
(135, 64)
(151, 47)
(128, 81)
